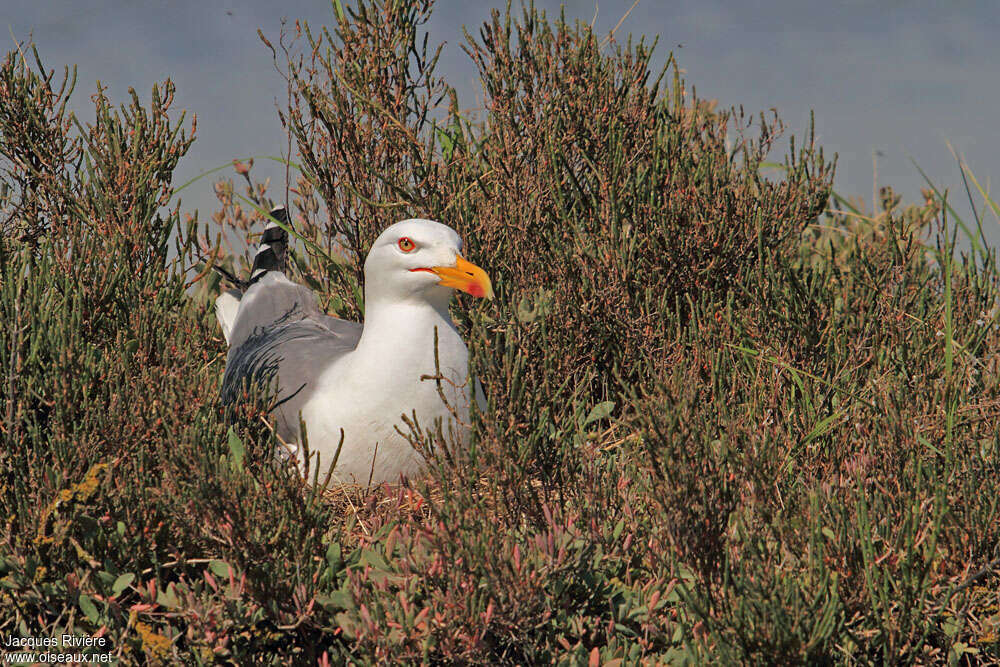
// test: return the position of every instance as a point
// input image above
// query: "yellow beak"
(465, 276)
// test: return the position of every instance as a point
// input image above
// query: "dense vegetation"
(728, 421)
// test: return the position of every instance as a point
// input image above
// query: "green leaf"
(89, 609)
(336, 600)
(167, 597)
(374, 560)
(599, 411)
(122, 582)
(236, 448)
(447, 143)
(219, 567)
(823, 427)
(334, 558)
(949, 626)
(927, 443)
(617, 532)
(340, 11)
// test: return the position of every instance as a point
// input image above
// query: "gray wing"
(282, 341)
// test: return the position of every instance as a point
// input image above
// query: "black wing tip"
(280, 213)
(270, 258)
(273, 246)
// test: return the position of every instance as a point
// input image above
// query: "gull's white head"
(421, 259)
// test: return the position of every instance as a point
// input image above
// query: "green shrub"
(723, 425)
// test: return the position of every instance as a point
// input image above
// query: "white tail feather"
(226, 307)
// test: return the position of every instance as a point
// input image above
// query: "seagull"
(351, 383)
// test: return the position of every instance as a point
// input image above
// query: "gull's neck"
(397, 328)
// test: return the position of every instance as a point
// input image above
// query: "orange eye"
(406, 245)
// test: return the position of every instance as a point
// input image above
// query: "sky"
(897, 80)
